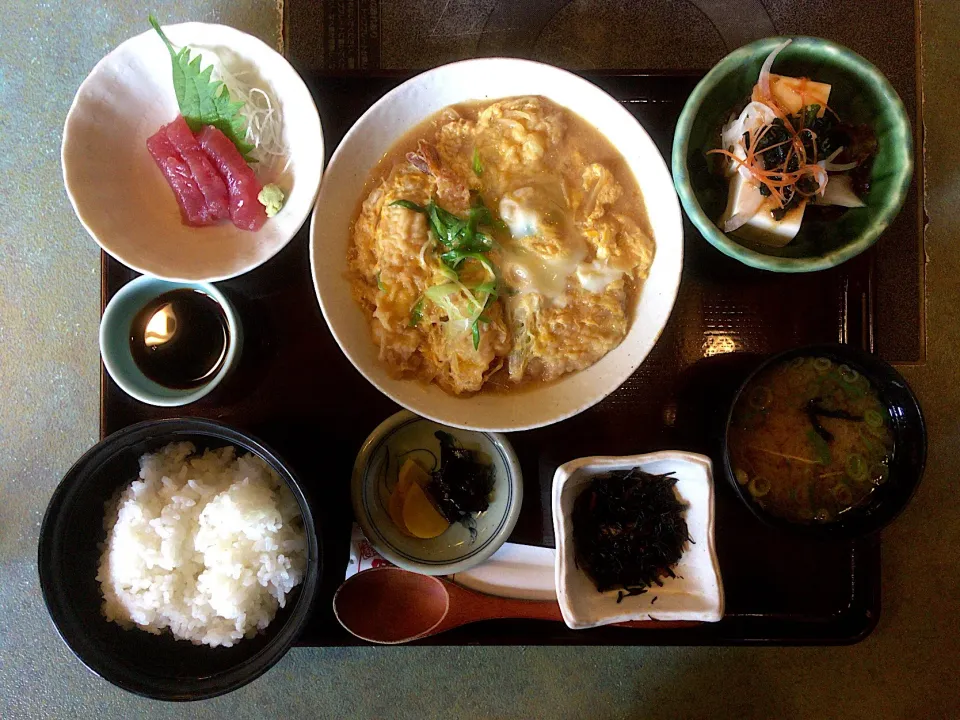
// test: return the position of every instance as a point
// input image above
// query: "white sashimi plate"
(120, 195)
(345, 186)
(696, 594)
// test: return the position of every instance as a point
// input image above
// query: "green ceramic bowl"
(860, 94)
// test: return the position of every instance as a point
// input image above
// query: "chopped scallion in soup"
(810, 439)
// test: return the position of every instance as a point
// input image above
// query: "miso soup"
(810, 440)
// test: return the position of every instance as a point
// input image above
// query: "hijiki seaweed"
(629, 531)
(462, 485)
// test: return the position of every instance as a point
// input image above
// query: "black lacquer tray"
(296, 390)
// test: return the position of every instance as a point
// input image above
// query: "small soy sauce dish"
(902, 468)
(169, 343)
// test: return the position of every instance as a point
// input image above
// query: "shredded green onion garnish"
(416, 313)
(477, 164)
(463, 242)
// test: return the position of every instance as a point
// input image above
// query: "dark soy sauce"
(179, 339)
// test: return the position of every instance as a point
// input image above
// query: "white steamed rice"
(205, 545)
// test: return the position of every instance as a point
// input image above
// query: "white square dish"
(696, 594)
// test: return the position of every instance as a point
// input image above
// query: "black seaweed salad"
(461, 486)
(820, 135)
(629, 530)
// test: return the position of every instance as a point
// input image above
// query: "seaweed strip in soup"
(499, 243)
(810, 439)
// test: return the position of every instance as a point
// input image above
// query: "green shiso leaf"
(202, 100)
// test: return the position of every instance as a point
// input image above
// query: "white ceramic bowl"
(120, 195)
(456, 550)
(343, 188)
(696, 594)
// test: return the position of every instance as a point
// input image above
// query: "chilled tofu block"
(792, 93)
(761, 227)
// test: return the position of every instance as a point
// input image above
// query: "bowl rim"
(108, 328)
(753, 258)
(270, 654)
(669, 297)
(453, 566)
(66, 135)
(833, 530)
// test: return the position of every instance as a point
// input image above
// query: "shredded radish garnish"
(753, 117)
(839, 167)
(764, 80)
(264, 120)
(831, 166)
(821, 177)
(832, 155)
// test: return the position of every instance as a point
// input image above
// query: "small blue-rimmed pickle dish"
(434, 499)
(169, 343)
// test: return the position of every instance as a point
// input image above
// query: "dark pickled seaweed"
(629, 531)
(462, 484)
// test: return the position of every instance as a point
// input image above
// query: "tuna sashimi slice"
(206, 176)
(245, 210)
(193, 206)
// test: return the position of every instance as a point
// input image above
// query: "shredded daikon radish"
(829, 164)
(264, 119)
(821, 176)
(764, 79)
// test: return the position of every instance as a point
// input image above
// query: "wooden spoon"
(390, 606)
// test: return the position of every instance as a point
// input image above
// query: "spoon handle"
(467, 606)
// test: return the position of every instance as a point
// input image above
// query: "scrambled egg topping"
(568, 249)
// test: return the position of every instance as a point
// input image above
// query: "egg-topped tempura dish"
(499, 243)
